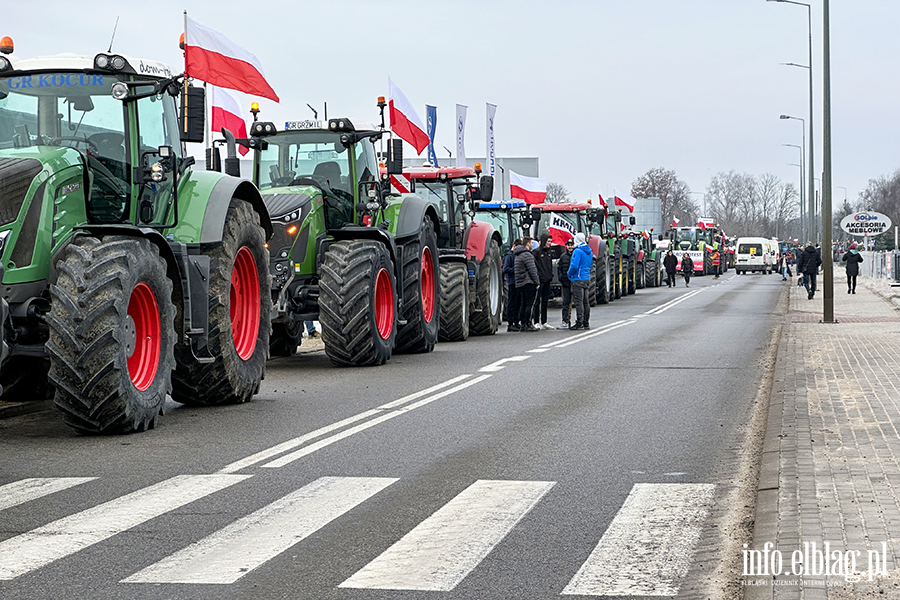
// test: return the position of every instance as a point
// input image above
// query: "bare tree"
(674, 195)
(556, 193)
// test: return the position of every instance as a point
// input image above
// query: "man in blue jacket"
(580, 276)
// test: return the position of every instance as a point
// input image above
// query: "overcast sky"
(599, 90)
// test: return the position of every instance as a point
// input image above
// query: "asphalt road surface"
(522, 465)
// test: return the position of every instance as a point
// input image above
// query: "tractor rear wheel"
(602, 294)
(641, 281)
(239, 322)
(455, 320)
(112, 334)
(617, 279)
(592, 284)
(357, 303)
(652, 273)
(707, 264)
(286, 337)
(632, 274)
(488, 294)
(420, 308)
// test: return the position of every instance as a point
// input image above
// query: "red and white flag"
(532, 190)
(405, 123)
(675, 221)
(211, 57)
(226, 113)
(624, 200)
(600, 195)
(704, 223)
(561, 230)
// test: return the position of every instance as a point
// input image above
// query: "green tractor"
(128, 275)
(649, 260)
(346, 250)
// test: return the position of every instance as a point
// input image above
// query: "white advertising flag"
(489, 121)
(461, 135)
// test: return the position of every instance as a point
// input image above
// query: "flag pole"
(184, 94)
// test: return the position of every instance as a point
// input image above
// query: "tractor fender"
(595, 242)
(413, 211)
(220, 197)
(478, 240)
(640, 256)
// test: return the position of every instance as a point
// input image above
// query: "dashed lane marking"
(25, 490)
(496, 366)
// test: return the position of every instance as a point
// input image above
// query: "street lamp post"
(801, 182)
(827, 263)
(812, 146)
(810, 212)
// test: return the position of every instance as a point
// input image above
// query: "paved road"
(517, 466)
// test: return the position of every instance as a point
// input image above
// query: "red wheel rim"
(143, 312)
(426, 278)
(384, 304)
(244, 303)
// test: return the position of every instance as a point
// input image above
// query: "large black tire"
(238, 366)
(455, 324)
(592, 284)
(505, 300)
(420, 306)
(24, 379)
(632, 275)
(348, 311)
(111, 302)
(641, 280)
(652, 273)
(286, 337)
(488, 294)
(604, 293)
(707, 264)
(617, 279)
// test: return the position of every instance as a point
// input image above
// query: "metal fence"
(881, 265)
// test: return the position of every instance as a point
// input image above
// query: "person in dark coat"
(809, 265)
(512, 301)
(562, 271)
(543, 259)
(687, 269)
(852, 258)
(527, 281)
(670, 262)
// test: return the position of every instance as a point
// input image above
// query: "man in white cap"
(580, 276)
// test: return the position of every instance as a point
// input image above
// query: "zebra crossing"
(658, 524)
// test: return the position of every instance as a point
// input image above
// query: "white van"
(753, 254)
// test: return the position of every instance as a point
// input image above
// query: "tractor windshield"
(686, 236)
(74, 110)
(501, 222)
(315, 155)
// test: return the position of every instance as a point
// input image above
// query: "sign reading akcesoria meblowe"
(866, 223)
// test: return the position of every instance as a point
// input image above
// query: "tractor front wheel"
(455, 323)
(488, 294)
(239, 324)
(286, 337)
(112, 334)
(357, 303)
(420, 308)
(652, 274)
(604, 292)
(592, 284)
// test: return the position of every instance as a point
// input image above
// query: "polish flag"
(560, 230)
(675, 221)
(704, 223)
(532, 190)
(211, 57)
(701, 225)
(600, 195)
(621, 227)
(405, 123)
(226, 111)
(624, 200)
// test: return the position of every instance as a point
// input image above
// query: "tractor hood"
(16, 175)
(286, 206)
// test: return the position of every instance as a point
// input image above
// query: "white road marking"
(649, 545)
(25, 490)
(445, 547)
(596, 333)
(496, 366)
(42, 546)
(306, 450)
(299, 441)
(232, 552)
(538, 350)
(577, 336)
(677, 302)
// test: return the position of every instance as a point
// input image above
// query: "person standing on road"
(687, 269)
(527, 282)
(311, 329)
(808, 265)
(512, 300)
(562, 271)
(852, 258)
(580, 275)
(670, 262)
(783, 266)
(543, 259)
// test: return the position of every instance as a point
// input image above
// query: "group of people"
(529, 273)
(670, 264)
(808, 261)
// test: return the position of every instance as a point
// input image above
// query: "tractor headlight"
(101, 61)
(5, 65)
(119, 90)
(157, 173)
(118, 63)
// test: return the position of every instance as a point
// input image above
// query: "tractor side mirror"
(487, 188)
(395, 157)
(632, 221)
(192, 125)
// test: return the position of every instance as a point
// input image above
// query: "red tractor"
(471, 296)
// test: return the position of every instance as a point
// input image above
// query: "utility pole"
(827, 263)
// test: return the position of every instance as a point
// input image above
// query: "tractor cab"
(505, 218)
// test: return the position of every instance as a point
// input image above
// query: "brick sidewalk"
(831, 459)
